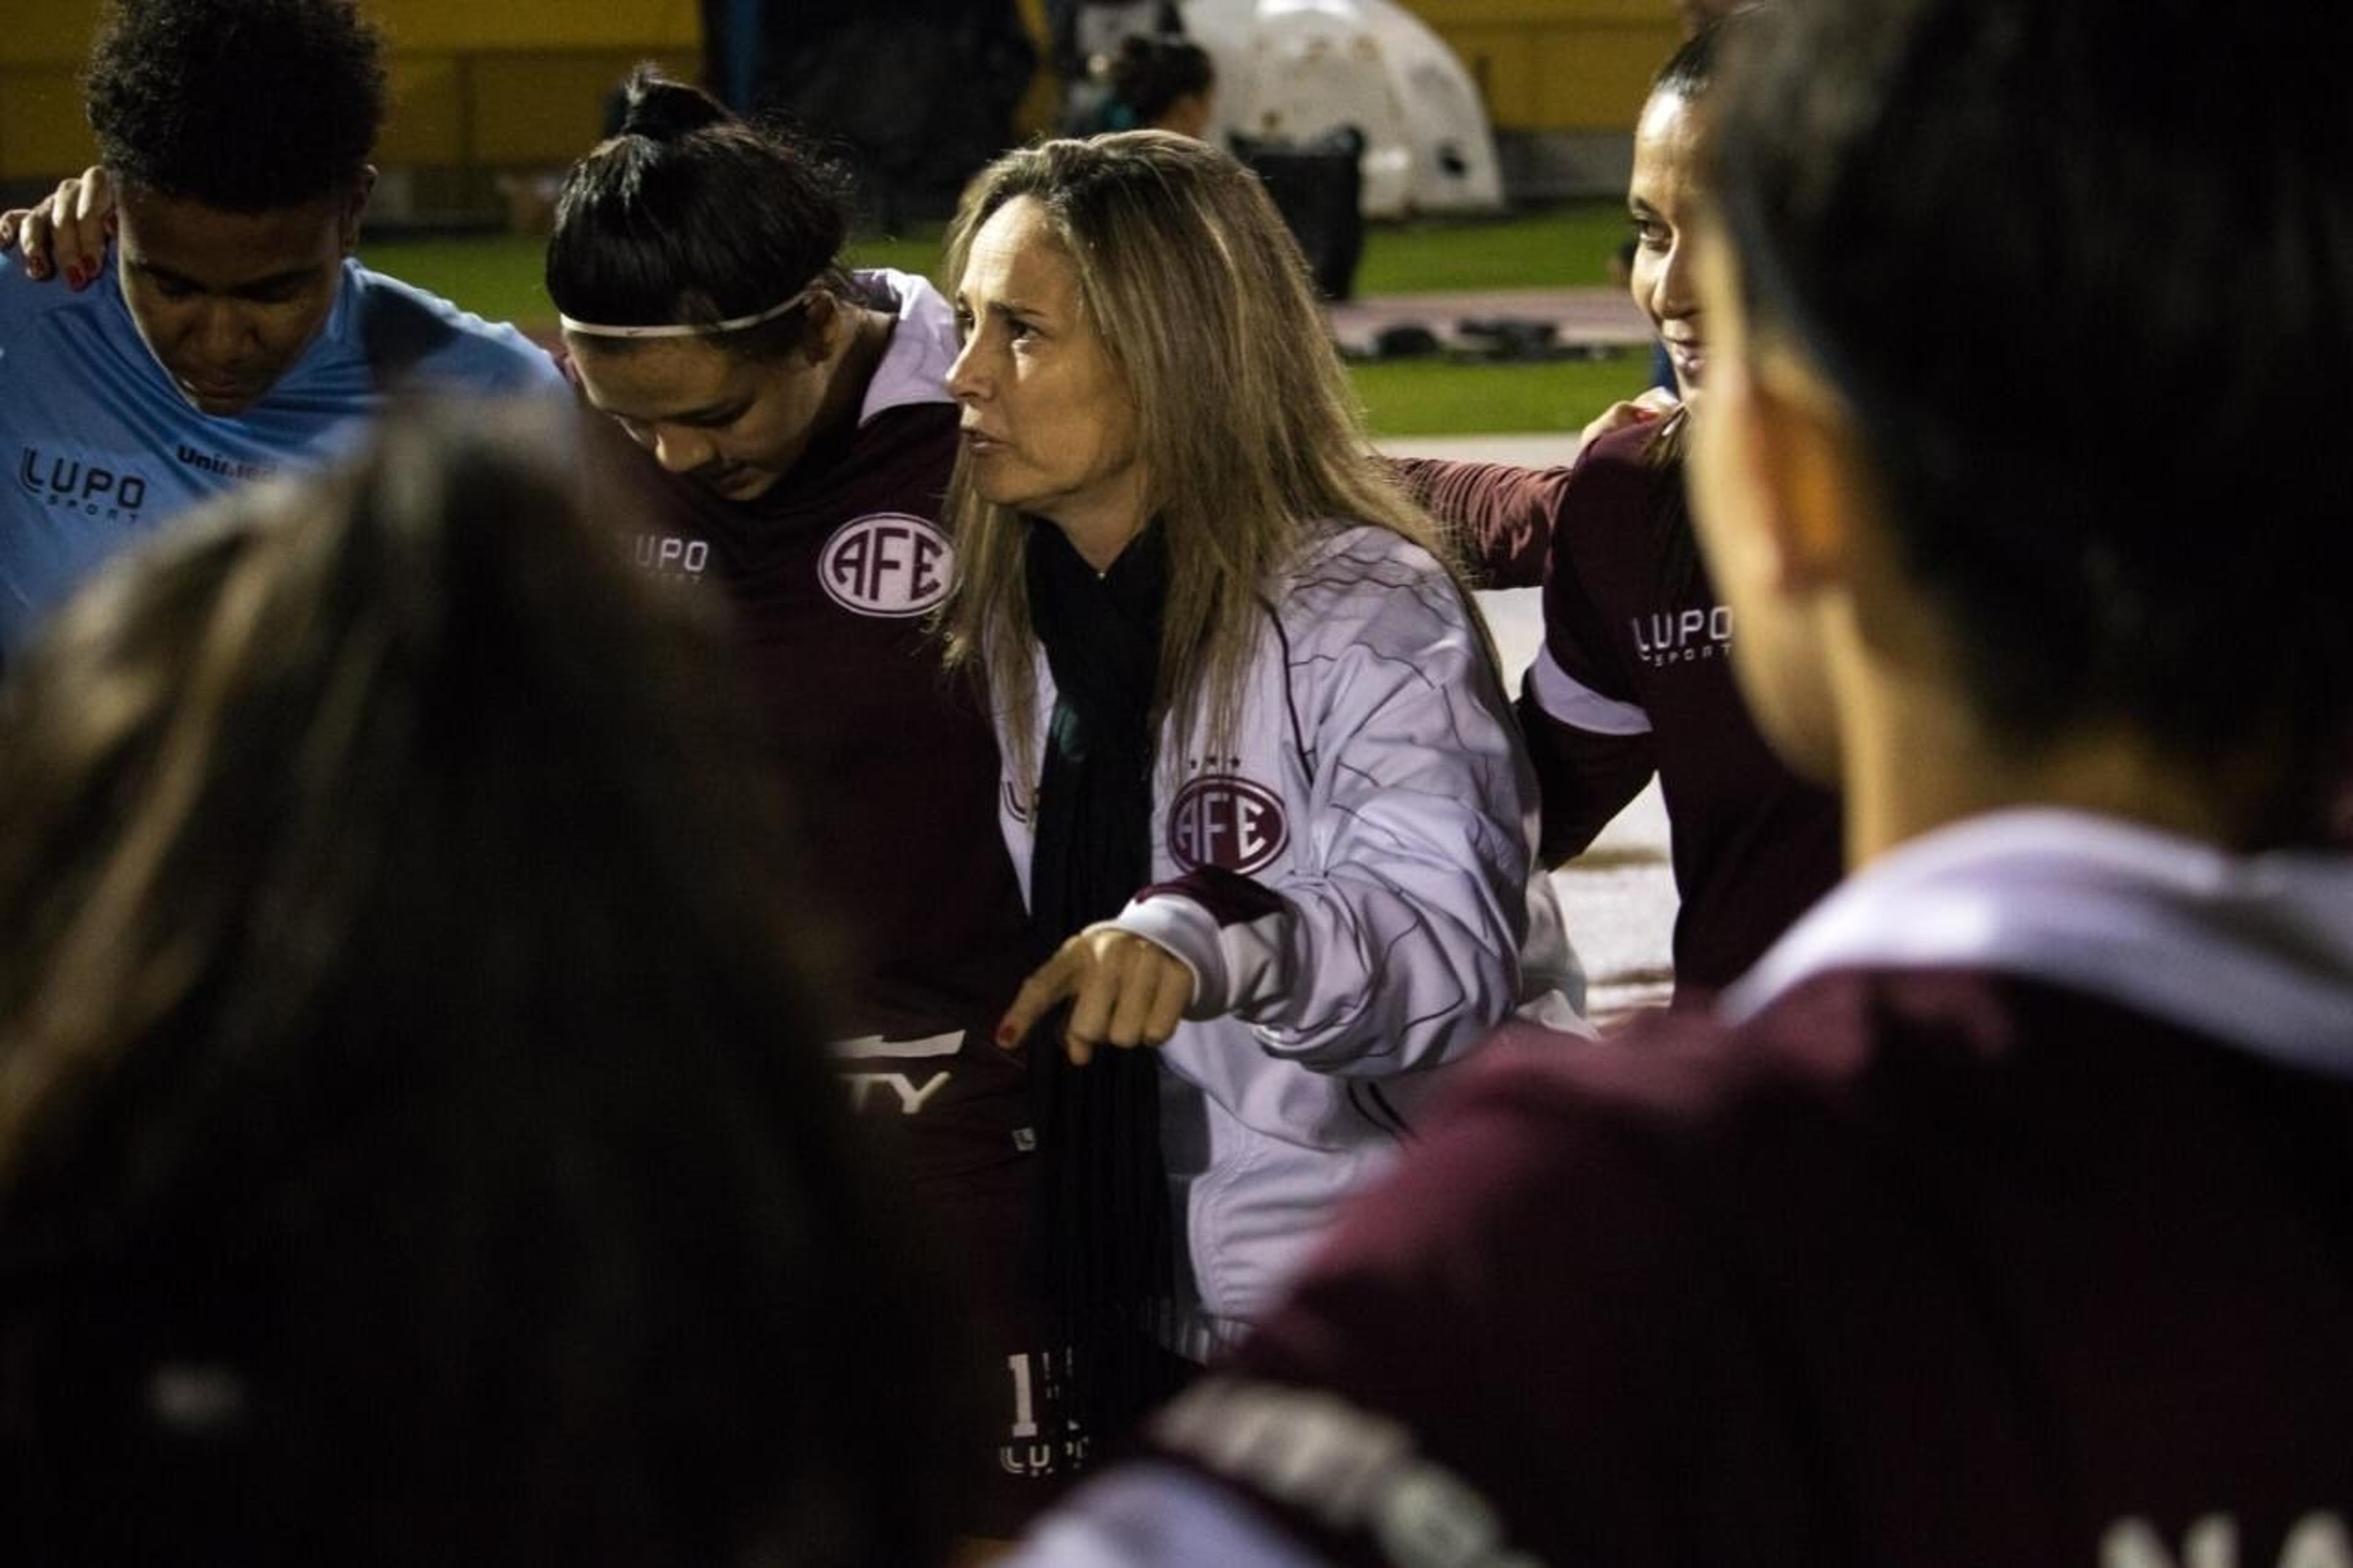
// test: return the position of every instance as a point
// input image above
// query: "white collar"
(914, 367)
(2255, 950)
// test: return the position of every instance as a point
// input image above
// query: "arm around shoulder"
(1499, 517)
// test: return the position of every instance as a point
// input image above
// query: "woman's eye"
(1653, 234)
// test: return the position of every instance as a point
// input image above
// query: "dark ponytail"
(660, 109)
(688, 215)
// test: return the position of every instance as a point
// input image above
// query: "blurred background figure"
(732, 31)
(914, 94)
(1083, 36)
(416, 1143)
(1159, 83)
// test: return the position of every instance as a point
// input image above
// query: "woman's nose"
(963, 375)
(1676, 292)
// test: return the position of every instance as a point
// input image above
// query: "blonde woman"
(1262, 780)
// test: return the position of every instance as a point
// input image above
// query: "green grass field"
(1444, 398)
(499, 276)
(1565, 247)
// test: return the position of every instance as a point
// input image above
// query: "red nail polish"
(1005, 1035)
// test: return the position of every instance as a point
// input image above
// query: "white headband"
(734, 324)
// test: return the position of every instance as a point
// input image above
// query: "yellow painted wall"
(505, 82)
(1558, 64)
(473, 81)
(41, 52)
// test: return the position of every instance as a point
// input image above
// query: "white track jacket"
(1357, 896)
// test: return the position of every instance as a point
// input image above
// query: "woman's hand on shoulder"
(65, 233)
(1124, 990)
(1648, 409)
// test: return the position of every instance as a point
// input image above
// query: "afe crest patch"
(1228, 822)
(886, 564)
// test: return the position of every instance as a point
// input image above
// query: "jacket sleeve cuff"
(1225, 927)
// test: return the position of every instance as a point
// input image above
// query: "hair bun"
(654, 106)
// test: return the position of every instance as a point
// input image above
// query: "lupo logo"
(1223, 821)
(668, 555)
(83, 488)
(1675, 637)
(886, 564)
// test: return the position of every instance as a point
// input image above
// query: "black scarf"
(1106, 1189)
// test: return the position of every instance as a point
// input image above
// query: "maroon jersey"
(829, 575)
(2004, 1216)
(1635, 678)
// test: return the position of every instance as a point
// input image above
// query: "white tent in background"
(1299, 69)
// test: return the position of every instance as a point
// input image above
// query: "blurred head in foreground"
(413, 1141)
(2003, 470)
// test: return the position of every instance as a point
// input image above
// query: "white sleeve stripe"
(1581, 707)
(1149, 1513)
(864, 1047)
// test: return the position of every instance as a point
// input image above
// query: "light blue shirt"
(103, 449)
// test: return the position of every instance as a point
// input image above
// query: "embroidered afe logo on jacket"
(1228, 822)
(886, 564)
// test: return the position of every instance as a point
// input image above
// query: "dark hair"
(2085, 281)
(689, 215)
(414, 1142)
(243, 105)
(1690, 70)
(1151, 73)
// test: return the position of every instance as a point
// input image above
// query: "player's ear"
(1816, 493)
(354, 204)
(826, 321)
